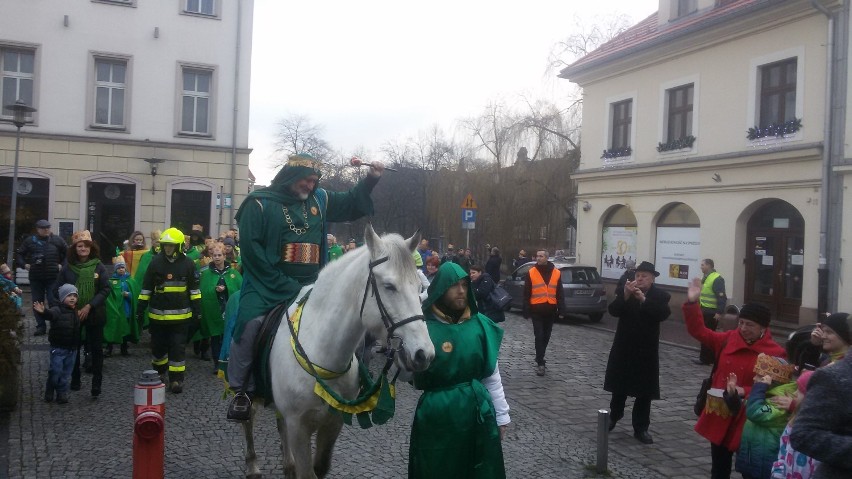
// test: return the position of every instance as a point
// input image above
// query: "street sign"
(468, 219)
(468, 202)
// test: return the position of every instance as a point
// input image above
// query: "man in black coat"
(42, 255)
(634, 363)
(492, 266)
(823, 426)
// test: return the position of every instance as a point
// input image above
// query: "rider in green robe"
(461, 416)
(282, 246)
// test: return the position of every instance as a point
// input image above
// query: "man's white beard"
(303, 196)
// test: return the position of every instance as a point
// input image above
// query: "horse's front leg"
(299, 442)
(327, 435)
(289, 468)
(252, 471)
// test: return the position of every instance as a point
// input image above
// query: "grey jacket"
(823, 427)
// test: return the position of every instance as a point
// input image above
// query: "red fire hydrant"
(149, 409)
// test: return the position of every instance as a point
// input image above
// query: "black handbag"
(701, 399)
(499, 298)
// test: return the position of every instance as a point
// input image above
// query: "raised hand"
(694, 291)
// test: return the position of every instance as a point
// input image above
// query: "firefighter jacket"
(170, 290)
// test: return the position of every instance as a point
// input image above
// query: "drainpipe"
(234, 118)
(823, 303)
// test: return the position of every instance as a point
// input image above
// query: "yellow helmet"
(172, 235)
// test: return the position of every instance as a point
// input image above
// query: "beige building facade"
(705, 133)
(142, 115)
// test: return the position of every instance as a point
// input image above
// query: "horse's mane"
(392, 245)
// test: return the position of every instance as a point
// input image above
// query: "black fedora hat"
(648, 267)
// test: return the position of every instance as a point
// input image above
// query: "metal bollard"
(603, 441)
(149, 411)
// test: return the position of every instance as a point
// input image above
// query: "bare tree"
(494, 131)
(298, 134)
(587, 37)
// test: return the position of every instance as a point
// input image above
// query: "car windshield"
(580, 276)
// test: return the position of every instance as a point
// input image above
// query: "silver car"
(584, 293)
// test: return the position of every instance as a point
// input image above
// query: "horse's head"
(394, 305)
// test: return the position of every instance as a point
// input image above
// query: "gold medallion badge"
(169, 276)
(97, 275)
(314, 210)
(233, 276)
(447, 347)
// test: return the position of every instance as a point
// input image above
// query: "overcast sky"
(380, 70)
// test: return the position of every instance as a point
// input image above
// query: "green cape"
(118, 325)
(212, 316)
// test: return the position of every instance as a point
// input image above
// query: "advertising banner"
(618, 246)
(678, 255)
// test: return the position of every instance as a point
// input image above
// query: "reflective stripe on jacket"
(708, 297)
(543, 293)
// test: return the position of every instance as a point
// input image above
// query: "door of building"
(32, 205)
(775, 260)
(191, 207)
(110, 215)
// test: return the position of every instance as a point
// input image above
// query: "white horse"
(333, 323)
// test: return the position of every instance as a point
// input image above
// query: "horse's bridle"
(394, 343)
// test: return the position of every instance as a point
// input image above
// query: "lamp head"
(21, 112)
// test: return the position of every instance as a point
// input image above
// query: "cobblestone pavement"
(552, 433)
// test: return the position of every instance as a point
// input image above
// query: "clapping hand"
(731, 384)
(38, 307)
(630, 289)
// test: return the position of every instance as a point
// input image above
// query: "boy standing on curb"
(63, 336)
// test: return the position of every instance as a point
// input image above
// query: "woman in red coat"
(736, 352)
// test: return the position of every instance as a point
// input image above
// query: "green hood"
(448, 274)
(279, 190)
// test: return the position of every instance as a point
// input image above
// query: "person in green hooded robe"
(218, 282)
(121, 325)
(142, 266)
(283, 246)
(462, 415)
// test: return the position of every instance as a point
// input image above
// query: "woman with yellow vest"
(542, 303)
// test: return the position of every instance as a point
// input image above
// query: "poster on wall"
(678, 255)
(618, 246)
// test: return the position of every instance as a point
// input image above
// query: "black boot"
(108, 351)
(124, 350)
(240, 408)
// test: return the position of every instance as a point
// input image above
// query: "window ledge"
(213, 16)
(198, 136)
(112, 129)
(617, 161)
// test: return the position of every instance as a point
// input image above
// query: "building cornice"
(738, 159)
(125, 142)
(757, 17)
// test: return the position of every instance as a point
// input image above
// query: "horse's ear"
(371, 238)
(414, 240)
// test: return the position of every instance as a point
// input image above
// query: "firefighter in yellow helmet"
(171, 295)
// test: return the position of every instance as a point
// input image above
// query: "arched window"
(618, 242)
(678, 247)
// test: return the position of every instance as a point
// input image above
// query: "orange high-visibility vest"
(543, 293)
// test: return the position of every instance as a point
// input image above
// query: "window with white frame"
(110, 92)
(622, 119)
(17, 77)
(201, 7)
(195, 101)
(778, 92)
(679, 114)
(685, 7)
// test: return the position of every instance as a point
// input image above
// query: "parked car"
(584, 291)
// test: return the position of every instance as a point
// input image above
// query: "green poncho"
(264, 233)
(455, 432)
(212, 312)
(121, 310)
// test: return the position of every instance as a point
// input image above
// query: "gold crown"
(298, 160)
(778, 369)
(81, 236)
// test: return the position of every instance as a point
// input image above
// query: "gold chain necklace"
(294, 228)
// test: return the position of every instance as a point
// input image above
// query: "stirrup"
(240, 408)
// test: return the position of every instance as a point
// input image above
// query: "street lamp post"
(22, 112)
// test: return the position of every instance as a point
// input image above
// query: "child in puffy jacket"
(64, 337)
(766, 418)
(10, 288)
(792, 464)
